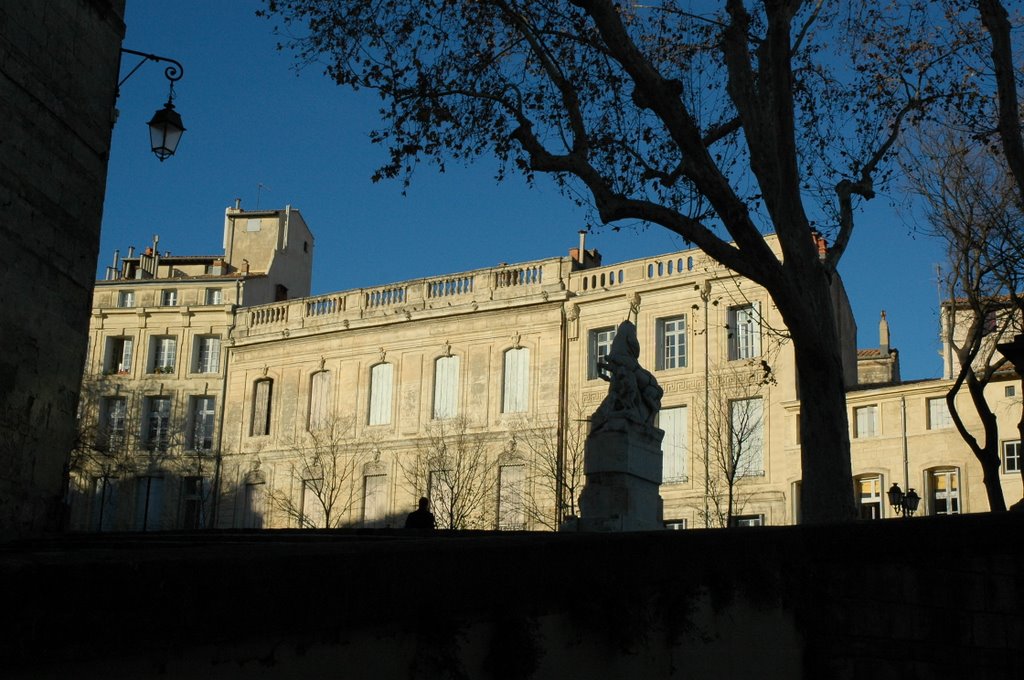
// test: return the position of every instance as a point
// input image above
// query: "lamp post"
(903, 503)
(165, 127)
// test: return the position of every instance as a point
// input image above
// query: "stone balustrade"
(505, 283)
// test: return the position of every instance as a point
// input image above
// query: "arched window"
(446, 387)
(869, 496)
(319, 400)
(381, 380)
(515, 398)
(944, 491)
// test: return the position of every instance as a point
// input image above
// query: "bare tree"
(720, 125)
(733, 439)
(555, 476)
(970, 202)
(451, 466)
(124, 434)
(1002, 108)
(326, 462)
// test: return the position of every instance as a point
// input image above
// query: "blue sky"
(252, 120)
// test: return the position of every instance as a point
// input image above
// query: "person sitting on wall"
(421, 518)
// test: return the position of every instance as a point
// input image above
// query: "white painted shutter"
(374, 501)
(319, 399)
(446, 388)
(511, 512)
(381, 378)
(517, 380)
(674, 421)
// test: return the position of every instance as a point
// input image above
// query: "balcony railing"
(476, 287)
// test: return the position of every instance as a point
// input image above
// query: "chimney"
(238, 204)
(583, 247)
(131, 251)
(883, 336)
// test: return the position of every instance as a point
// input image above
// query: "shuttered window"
(381, 377)
(374, 501)
(319, 400)
(675, 446)
(511, 507)
(745, 331)
(261, 408)
(747, 420)
(446, 388)
(517, 381)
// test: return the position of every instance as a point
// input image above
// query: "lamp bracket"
(173, 72)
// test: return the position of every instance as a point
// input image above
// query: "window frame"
(675, 450)
(118, 348)
(744, 324)
(112, 435)
(158, 422)
(876, 428)
(169, 297)
(942, 421)
(125, 299)
(599, 345)
(876, 500)
(446, 387)
(515, 384)
(951, 492)
(756, 466)
(680, 347)
(260, 413)
(160, 353)
(1004, 459)
(319, 406)
(382, 392)
(207, 359)
(376, 521)
(203, 414)
(511, 497)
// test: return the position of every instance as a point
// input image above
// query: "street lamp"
(903, 503)
(165, 127)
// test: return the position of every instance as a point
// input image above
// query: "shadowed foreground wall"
(922, 598)
(58, 72)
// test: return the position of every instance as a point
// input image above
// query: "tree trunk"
(827, 484)
(987, 455)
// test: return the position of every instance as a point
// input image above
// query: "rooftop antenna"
(260, 186)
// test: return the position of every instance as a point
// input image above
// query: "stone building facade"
(474, 389)
(58, 71)
(155, 374)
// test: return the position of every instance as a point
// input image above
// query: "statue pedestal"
(623, 472)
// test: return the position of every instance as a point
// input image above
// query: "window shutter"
(374, 500)
(319, 399)
(674, 421)
(511, 512)
(755, 329)
(381, 377)
(446, 387)
(517, 380)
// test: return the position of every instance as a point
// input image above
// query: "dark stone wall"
(921, 598)
(58, 74)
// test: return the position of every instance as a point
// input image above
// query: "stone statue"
(634, 396)
(622, 457)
